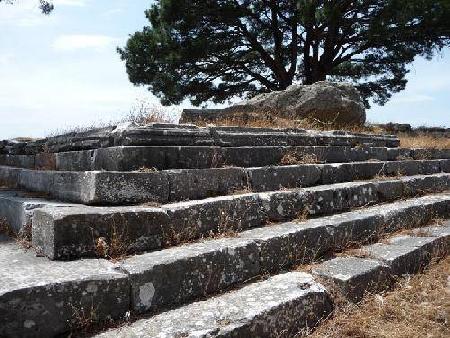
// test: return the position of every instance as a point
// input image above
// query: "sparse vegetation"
(115, 247)
(23, 237)
(141, 113)
(292, 158)
(418, 307)
(83, 319)
(147, 170)
(423, 141)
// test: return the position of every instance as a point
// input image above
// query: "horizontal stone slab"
(17, 208)
(180, 274)
(184, 135)
(185, 221)
(75, 231)
(353, 277)
(19, 161)
(129, 158)
(283, 304)
(190, 157)
(109, 188)
(350, 276)
(407, 256)
(170, 276)
(284, 245)
(42, 298)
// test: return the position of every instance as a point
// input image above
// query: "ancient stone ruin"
(180, 231)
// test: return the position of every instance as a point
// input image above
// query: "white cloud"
(79, 3)
(22, 14)
(74, 42)
(112, 12)
(6, 59)
(411, 98)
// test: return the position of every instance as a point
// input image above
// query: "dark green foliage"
(212, 50)
(45, 6)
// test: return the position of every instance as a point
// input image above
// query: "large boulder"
(339, 103)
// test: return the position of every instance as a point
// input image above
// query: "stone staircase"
(180, 231)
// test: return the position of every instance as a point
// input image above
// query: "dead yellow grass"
(292, 158)
(419, 307)
(267, 120)
(424, 141)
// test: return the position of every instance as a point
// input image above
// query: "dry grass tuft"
(303, 215)
(420, 307)
(115, 248)
(147, 170)
(269, 120)
(5, 228)
(23, 238)
(84, 320)
(292, 158)
(423, 141)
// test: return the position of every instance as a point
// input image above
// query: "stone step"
(131, 158)
(41, 298)
(277, 307)
(57, 295)
(264, 309)
(159, 134)
(72, 232)
(17, 208)
(180, 274)
(118, 188)
(352, 277)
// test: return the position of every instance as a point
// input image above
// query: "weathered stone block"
(279, 177)
(40, 181)
(429, 246)
(176, 275)
(252, 157)
(430, 167)
(45, 161)
(75, 160)
(283, 304)
(17, 211)
(9, 177)
(421, 184)
(351, 227)
(194, 219)
(122, 188)
(354, 276)
(42, 298)
(132, 158)
(287, 244)
(284, 205)
(399, 168)
(389, 190)
(367, 170)
(200, 183)
(445, 166)
(335, 173)
(20, 161)
(401, 259)
(66, 233)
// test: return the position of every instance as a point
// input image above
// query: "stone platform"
(181, 231)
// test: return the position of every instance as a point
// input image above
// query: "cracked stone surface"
(282, 304)
(39, 297)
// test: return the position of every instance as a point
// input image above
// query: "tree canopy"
(212, 50)
(45, 6)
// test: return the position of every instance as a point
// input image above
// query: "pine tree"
(212, 50)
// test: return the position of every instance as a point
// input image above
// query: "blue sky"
(62, 70)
